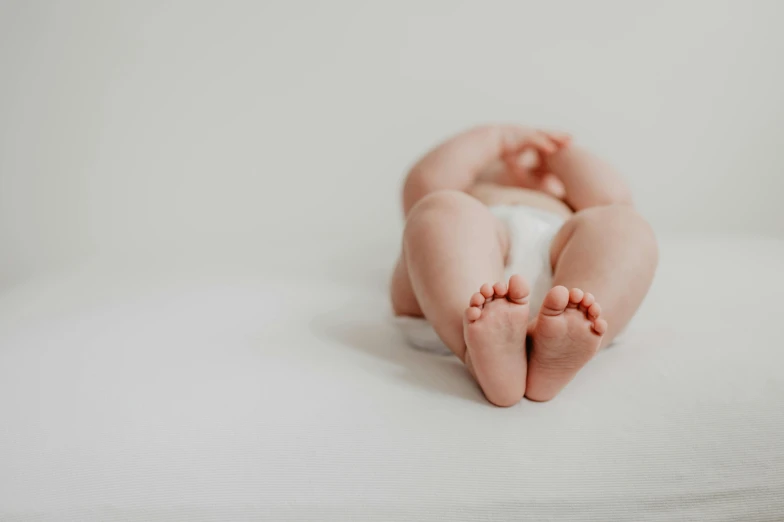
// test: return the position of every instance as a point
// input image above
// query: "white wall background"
(227, 128)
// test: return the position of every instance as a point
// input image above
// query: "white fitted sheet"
(235, 396)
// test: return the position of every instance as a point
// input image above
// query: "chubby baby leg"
(604, 261)
(452, 246)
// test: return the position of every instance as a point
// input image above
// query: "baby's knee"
(443, 201)
(443, 208)
(637, 227)
(443, 212)
(623, 220)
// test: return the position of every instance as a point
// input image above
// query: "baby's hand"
(525, 159)
(516, 139)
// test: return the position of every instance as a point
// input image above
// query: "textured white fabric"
(228, 395)
(531, 233)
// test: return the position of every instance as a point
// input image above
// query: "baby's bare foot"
(494, 328)
(566, 335)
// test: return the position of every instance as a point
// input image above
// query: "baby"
(523, 253)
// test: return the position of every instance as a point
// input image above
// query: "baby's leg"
(453, 246)
(606, 255)
(589, 180)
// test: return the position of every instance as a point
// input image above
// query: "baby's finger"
(553, 186)
(528, 159)
(541, 142)
(561, 139)
(548, 183)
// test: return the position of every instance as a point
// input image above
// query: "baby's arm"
(458, 163)
(588, 180)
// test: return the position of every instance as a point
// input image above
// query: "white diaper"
(531, 231)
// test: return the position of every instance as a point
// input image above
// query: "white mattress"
(288, 395)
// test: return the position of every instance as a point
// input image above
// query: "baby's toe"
(472, 313)
(588, 300)
(477, 300)
(556, 301)
(575, 296)
(518, 288)
(500, 289)
(594, 311)
(487, 290)
(600, 326)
